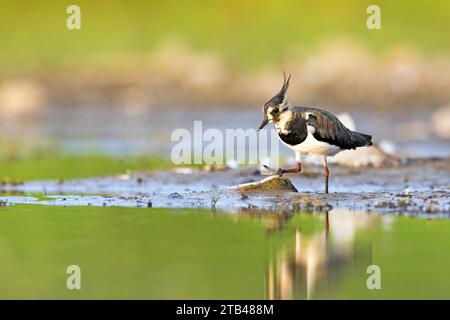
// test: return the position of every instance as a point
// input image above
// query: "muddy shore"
(417, 187)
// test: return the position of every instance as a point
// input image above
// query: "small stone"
(215, 167)
(244, 197)
(175, 195)
(270, 184)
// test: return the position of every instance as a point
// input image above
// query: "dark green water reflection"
(196, 254)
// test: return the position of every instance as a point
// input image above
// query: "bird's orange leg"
(326, 172)
(297, 168)
(280, 172)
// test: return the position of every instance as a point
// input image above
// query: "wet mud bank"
(419, 187)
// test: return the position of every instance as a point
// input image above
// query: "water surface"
(199, 254)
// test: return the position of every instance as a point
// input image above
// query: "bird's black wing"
(329, 129)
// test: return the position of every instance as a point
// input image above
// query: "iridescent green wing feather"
(329, 129)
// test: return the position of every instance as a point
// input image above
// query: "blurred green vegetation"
(196, 254)
(71, 167)
(247, 33)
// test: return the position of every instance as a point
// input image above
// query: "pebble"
(175, 195)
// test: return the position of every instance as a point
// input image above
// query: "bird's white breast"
(314, 147)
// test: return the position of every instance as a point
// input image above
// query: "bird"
(308, 130)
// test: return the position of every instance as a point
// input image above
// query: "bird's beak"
(263, 123)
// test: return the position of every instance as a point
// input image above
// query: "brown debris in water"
(11, 182)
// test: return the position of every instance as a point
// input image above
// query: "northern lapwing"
(309, 131)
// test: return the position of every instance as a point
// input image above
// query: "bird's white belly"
(315, 147)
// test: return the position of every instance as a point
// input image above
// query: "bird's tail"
(363, 140)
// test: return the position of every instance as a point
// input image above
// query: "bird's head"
(275, 107)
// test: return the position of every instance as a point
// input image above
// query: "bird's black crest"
(280, 96)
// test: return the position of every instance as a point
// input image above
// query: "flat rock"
(269, 184)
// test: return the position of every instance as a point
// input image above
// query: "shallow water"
(123, 132)
(199, 254)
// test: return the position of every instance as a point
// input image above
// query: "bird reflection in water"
(306, 265)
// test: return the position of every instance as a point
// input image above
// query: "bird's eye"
(275, 110)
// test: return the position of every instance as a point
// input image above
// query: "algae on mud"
(273, 184)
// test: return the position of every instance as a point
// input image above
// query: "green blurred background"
(247, 33)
